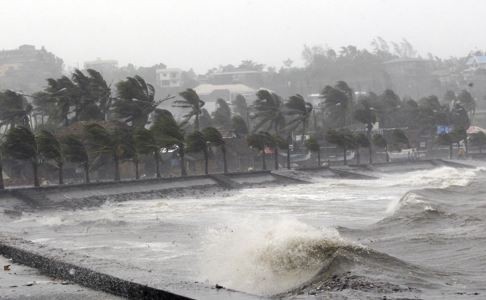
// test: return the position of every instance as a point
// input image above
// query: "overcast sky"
(207, 33)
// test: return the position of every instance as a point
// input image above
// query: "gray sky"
(206, 33)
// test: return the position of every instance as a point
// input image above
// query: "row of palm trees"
(129, 126)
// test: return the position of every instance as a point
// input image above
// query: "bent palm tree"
(268, 111)
(380, 141)
(20, 143)
(259, 141)
(300, 111)
(361, 141)
(169, 134)
(366, 115)
(50, 149)
(145, 144)
(214, 138)
(196, 142)
(75, 151)
(190, 100)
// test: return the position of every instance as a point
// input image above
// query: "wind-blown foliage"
(379, 141)
(196, 142)
(145, 144)
(300, 112)
(222, 114)
(269, 112)
(75, 151)
(192, 101)
(50, 148)
(14, 110)
(313, 146)
(259, 141)
(20, 143)
(135, 102)
(238, 126)
(214, 138)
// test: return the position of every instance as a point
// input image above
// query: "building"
(169, 77)
(250, 78)
(104, 66)
(211, 92)
(27, 68)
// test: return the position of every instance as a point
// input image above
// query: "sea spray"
(265, 257)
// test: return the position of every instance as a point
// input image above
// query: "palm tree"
(20, 143)
(135, 102)
(57, 99)
(380, 141)
(222, 114)
(399, 138)
(280, 143)
(313, 146)
(196, 142)
(115, 143)
(300, 111)
(342, 138)
(366, 115)
(145, 144)
(49, 148)
(269, 111)
(240, 107)
(14, 110)
(259, 141)
(336, 103)
(361, 141)
(190, 100)
(169, 134)
(214, 138)
(238, 126)
(75, 151)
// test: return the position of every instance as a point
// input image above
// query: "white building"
(169, 78)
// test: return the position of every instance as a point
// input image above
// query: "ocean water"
(413, 235)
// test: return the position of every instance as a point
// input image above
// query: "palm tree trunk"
(61, 173)
(303, 132)
(275, 157)
(35, 169)
(117, 167)
(264, 163)
(288, 157)
(370, 149)
(2, 185)
(319, 158)
(450, 151)
(157, 163)
(183, 163)
(225, 163)
(358, 158)
(86, 172)
(206, 161)
(386, 154)
(137, 173)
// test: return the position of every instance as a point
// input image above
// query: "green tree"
(342, 138)
(49, 148)
(75, 151)
(20, 143)
(399, 139)
(169, 134)
(313, 146)
(214, 138)
(239, 126)
(380, 141)
(467, 101)
(190, 100)
(222, 114)
(196, 142)
(14, 110)
(240, 107)
(300, 111)
(336, 104)
(268, 111)
(115, 143)
(135, 101)
(365, 114)
(146, 144)
(259, 141)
